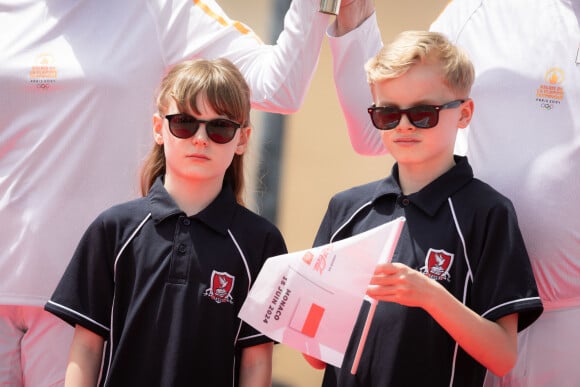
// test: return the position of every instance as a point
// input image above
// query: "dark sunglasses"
(421, 116)
(219, 130)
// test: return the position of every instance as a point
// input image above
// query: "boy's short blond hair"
(412, 47)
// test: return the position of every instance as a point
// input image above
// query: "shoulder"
(121, 215)
(481, 195)
(108, 232)
(460, 14)
(456, 15)
(125, 211)
(480, 204)
(357, 196)
(254, 227)
(344, 206)
(255, 237)
(244, 217)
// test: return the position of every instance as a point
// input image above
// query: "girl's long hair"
(224, 88)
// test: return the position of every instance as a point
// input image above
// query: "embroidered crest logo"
(437, 265)
(221, 287)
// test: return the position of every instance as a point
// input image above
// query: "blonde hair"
(224, 88)
(413, 47)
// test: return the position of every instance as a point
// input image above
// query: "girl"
(160, 279)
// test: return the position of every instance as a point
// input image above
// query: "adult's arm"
(350, 51)
(279, 74)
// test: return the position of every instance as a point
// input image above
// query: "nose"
(200, 137)
(405, 123)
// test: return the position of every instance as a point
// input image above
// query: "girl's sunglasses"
(219, 130)
(421, 116)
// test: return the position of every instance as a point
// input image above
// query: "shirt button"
(186, 222)
(405, 202)
(181, 249)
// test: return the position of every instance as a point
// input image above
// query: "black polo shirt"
(165, 289)
(460, 232)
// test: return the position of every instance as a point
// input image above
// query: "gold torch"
(329, 6)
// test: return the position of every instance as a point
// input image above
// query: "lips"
(198, 156)
(405, 140)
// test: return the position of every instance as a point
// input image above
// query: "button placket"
(182, 248)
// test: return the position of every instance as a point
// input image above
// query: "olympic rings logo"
(42, 84)
(547, 106)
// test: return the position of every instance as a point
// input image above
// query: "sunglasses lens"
(221, 131)
(423, 116)
(183, 126)
(385, 118)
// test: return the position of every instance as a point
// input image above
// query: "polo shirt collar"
(435, 194)
(161, 203)
(220, 213)
(217, 215)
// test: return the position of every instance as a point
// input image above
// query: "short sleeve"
(274, 245)
(503, 280)
(84, 294)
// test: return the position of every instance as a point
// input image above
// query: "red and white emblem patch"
(437, 265)
(221, 287)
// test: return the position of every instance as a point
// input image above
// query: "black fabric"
(165, 289)
(473, 230)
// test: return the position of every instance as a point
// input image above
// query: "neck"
(414, 177)
(192, 196)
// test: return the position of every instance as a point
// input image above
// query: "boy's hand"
(314, 362)
(396, 282)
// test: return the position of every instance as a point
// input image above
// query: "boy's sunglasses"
(421, 116)
(219, 130)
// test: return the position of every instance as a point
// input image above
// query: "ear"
(158, 128)
(467, 109)
(243, 140)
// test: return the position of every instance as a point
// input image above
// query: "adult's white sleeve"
(451, 22)
(279, 75)
(350, 52)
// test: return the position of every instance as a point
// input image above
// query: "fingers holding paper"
(397, 282)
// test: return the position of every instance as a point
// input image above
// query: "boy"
(460, 285)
